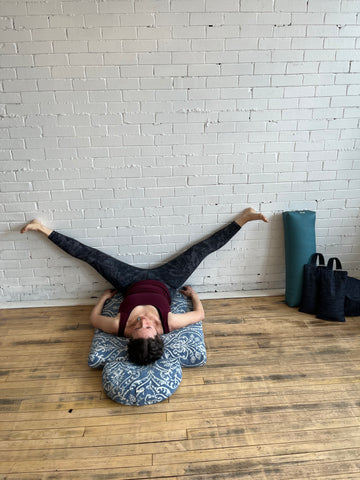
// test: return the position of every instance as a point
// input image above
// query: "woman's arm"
(181, 320)
(106, 324)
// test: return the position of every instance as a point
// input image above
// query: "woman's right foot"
(249, 215)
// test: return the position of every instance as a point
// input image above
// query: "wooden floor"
(278, 399)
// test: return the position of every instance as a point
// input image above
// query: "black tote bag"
(332, 287)
(310, 290)
(352, 297)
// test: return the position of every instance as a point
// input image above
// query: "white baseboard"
(241, 294)
(92, 301)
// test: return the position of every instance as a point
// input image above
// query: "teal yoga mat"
(300, 244)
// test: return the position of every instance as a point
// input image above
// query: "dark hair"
(143, 351)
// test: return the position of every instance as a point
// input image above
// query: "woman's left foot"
(249, 215)
(36, 226)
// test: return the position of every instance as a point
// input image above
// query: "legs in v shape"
(173, 273)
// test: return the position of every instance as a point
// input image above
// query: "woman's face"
(144, 328)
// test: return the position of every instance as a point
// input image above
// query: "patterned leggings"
(173, 274)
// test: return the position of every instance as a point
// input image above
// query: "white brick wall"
(140, 126)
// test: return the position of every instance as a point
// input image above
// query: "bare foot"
(36, 226)
(33, 226)
(249, 215)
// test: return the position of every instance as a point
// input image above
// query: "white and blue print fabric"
(130, 384)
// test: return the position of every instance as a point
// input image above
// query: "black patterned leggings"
(173, 274)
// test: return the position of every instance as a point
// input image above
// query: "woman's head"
(144, 351)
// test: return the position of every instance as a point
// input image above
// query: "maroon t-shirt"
(145, 292)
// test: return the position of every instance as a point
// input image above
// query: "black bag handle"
(330, 263)
(315, 256)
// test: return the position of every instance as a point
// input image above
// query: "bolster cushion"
(130, 384)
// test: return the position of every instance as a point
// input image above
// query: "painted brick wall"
(138, 126)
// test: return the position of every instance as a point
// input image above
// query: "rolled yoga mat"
(300, 244)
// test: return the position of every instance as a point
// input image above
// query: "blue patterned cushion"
(130, 384)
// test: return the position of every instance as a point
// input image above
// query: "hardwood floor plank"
(67, 464)
(10, 436)
(69, 421)
(79, 440)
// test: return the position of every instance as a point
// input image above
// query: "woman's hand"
(106, 324)
(188, 291)
(196, 314)
(108, 294)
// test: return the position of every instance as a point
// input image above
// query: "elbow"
(93, 320)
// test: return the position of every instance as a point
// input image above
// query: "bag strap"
(315, 256)
(330, 263)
